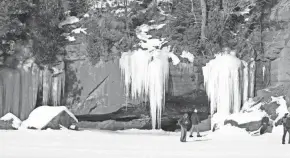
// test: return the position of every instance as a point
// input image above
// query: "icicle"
(245, 82)
(16, 90)
(139, 69)
(10, 91)
(158, 76)
(264, 70)
(252, 78)
(35, 83)
(125, 65)
(185, 68)
(46, 86)
(58, 82)
(222, 83)
(26, 91)
(54, 91)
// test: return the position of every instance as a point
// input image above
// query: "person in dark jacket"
(195, 122)
(265, 125)
(286, 127)
(184, 122)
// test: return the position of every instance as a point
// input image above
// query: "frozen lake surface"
(227, 142)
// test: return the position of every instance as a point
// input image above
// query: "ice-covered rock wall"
(21, 87)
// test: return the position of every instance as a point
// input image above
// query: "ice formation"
(21, 88)
(46, 85)
(158, 76)
(145, 72)
(223, 85)
(264, 70)
(145, 75)
(252, 71)
(246, 81)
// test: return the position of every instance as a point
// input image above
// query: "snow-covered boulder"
(250, 121)
(282, 109)
(45, 117)
(12, 119)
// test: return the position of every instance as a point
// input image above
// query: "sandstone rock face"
(280, 72)
(115, 125)
(281, 12)
(270, 109)
(108, 98)
(276, 44)
(276, 90)
(180, 81)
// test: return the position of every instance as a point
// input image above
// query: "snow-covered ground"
(226, 142)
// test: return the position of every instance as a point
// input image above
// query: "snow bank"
(246, 82)
(42, 115)
(147, 132)
(227, 131)
(242, 118)
(16, 122)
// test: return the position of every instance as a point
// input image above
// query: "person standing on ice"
(286, 127)
(195, 122)
(184, 122)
